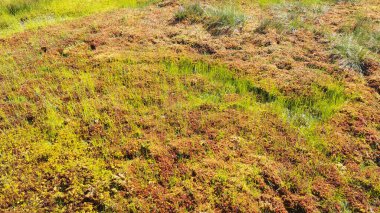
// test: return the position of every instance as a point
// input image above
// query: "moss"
(88, 130)
(17, 15)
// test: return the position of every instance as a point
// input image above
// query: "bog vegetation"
(18, 15)
(183, 106)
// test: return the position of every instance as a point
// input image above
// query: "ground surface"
(131, 110)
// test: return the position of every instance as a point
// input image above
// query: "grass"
(288, 17)
(308, 113)
(271, 3)
(224, 80)
(353, 55)
(217, 20)
(18, 15)
(354, 44)
(357, 43)
(193, 13)
(321, 105)
(368, 33)
(224, 20)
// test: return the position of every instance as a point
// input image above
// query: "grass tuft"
(291, 16)
(352, 54)
(217, 20)
(224, 20)
(193, 13)
(357, 43)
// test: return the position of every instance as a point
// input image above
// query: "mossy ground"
(20, 15)
(130, 111)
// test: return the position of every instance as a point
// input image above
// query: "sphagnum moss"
(119, 128)
(18, 15)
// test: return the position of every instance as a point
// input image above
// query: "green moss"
(104, 137)
(18, 15)
(222, 80)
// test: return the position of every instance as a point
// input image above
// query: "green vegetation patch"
(304, 113)
(18, 15)
(104, 138)
(224, 79)
(323, 102)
